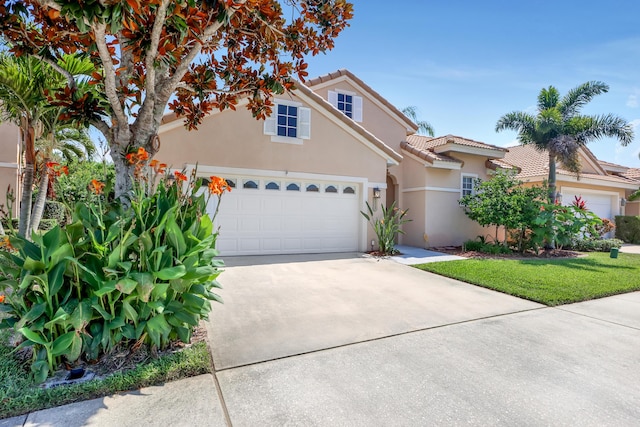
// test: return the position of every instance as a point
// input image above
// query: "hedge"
(628, 229)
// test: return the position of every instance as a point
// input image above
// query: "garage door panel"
(260, 221)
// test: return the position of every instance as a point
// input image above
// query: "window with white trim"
(289, 122)
(467, 184)
(347, 102)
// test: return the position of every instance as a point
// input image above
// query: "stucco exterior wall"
(236, 139)
(414, 201)
(375, 119)
(632, 209)
(9, 154)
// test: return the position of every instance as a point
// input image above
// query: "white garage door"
(599, 204)
(275, 216)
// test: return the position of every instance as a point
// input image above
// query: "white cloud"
(632, 101)
(512, 143)
(635, 123)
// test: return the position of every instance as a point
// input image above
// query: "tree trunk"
(124, 178)
(552, 177)
(552, 190)
(25, 201)
(29, 144)
(41, 201)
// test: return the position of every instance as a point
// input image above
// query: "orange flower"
(65, 170)
(52, 165)
(5, 244)
(130, 158)
(153, 163)
(180, 176)
(218, 185)
(1, 299)
(143, 156)
(161, 168)
(96, 186)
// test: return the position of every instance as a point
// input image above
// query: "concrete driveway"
(347, 340)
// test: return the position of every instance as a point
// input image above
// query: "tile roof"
(427, 155)
(427, 143)
(632, 173)
(346, 73)
(534, 163)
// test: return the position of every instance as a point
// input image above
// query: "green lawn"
(548, 281)
(19, 394)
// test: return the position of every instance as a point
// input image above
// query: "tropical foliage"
(424, 127)
(202, 55)
(142, 275)
(559, 129)
(387, 227)
(25, 82)
(503, 201)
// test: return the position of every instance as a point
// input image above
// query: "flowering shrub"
(563, 224)
(141, 275)
(387, 227)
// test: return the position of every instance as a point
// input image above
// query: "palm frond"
(548, 98)
(424, 127)
(578, 97)
(607, 125)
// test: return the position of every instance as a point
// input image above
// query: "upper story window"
(347, 102)
(467, 184)
(289, 122)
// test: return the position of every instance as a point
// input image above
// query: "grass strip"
(19, 395)
(548, 281)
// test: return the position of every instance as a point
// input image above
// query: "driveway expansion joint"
(216, 383)
(462, 322)
(596, 318)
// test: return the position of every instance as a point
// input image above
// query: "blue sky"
(465, 63)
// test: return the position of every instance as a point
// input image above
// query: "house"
(604, 186)
(301, 177)
(9, 155)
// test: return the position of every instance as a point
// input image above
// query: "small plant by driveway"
(387, 227)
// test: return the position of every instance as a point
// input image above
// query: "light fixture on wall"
(376, 197)
(559, 198)
(623, 201)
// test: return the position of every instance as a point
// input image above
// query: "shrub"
(54, 210)
(481, 245)
(628, 229)
(144, 274)
(596, 245)
(388, 227)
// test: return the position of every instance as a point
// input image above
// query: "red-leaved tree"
(192, 55)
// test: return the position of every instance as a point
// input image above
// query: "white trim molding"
(440, 189)
(8, 165)
(474, 176)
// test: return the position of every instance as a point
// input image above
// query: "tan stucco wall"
(236, 139)
(414, 230)
(632, 209)
(9, 153)
(374, 118)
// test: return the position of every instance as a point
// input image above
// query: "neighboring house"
(302, 176)
(604, 186)
(9, 171)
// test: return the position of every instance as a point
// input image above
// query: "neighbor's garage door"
(273, 216)
(597, 203)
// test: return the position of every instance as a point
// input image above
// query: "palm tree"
(423, 127)
(24, 81)
(559, 129)
(66, 142)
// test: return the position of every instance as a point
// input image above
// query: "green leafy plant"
(563, 224)
(387, 227)
(596, 244)
(628, 228)
(143, 274)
